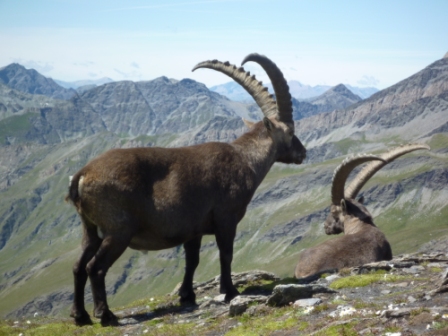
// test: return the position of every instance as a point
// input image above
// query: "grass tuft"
(363, 280)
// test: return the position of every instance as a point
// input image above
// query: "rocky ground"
(405, 296)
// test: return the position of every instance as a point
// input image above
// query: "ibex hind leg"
(112, 247)
(90, 245)
(225, 235)
(192, 249)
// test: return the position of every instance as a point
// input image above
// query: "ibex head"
(277, 119)
(344, 208)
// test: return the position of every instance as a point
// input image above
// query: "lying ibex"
(363, 242)
(158, 198)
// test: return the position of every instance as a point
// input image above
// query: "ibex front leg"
(225, 235)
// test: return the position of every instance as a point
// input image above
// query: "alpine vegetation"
(158, 198)
(362, 241)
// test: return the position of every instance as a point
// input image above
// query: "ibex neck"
(259, 150)
(355, 225)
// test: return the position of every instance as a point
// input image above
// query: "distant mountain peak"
(446, 55)
(17, 77)
(341, 88)
(298, 90)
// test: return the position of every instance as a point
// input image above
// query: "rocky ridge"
(386, 111)
(298, 90)
(405, 296)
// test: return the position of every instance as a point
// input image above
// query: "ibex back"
(157, 198)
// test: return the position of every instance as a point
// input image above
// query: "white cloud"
(368, 81)
(84, 64)
(132, 75)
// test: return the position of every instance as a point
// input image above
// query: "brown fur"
(157, 198)
(361, 243)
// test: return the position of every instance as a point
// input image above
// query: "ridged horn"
(342, 172)
(369, 170)
(255, 88)
(281, 88)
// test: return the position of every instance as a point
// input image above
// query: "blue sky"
(361, 43)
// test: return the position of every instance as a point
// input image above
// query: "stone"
(332, 278)
(414, 269)
(397, 313)
(285, 294)
(411, 299)
(444, 278)
(240, 303)
(220, 298)
(307, 302)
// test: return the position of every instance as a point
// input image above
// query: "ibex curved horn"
(342, 172)
(255, 88)
(368, 171)
(279, 84)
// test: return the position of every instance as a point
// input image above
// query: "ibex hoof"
(108, 319)
(229, 296)
(82, 318)
(188, 300)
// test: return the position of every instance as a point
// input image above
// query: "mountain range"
(298, 90)
(45, 138)
(84, 83)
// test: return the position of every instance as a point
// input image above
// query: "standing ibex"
(158, 198)
(363, 242)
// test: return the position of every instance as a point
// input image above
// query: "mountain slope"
(159, 106)
(13, 102)
(411, 108)
(336, 98)
(40, 234)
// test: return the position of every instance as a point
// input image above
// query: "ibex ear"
(343, 207)
(268, 124)
(361, 199)
(249, 124)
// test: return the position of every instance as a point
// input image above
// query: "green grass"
(181, 329)
(438, 141)
(15, 126)
(280, 319)
(349, 145)
(338, 330)
(56, 328)
(363, 280)
(403, 227)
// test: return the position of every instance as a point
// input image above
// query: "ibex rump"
(362, 241)
(157, 198)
